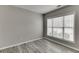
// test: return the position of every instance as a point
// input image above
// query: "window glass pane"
(49, 31)
(69, 34)
(58, 22)
(49, 22)
(69, 21)
(58, 32)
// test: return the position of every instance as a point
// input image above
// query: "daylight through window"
(61, 27)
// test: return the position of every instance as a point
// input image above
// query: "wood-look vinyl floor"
(38, 46)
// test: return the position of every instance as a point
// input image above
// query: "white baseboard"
(63, 44)
(19, 43)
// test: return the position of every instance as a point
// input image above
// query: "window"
(69, 27)
(61, 27)
(57, 27)
(49, 27)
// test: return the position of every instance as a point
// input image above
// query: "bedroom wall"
(64, 11)
(18, 25)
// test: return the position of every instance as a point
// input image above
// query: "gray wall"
(64, 11)
(18, 25)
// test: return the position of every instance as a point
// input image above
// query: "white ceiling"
(39, 8)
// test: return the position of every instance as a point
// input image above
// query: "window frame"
(64, 28)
